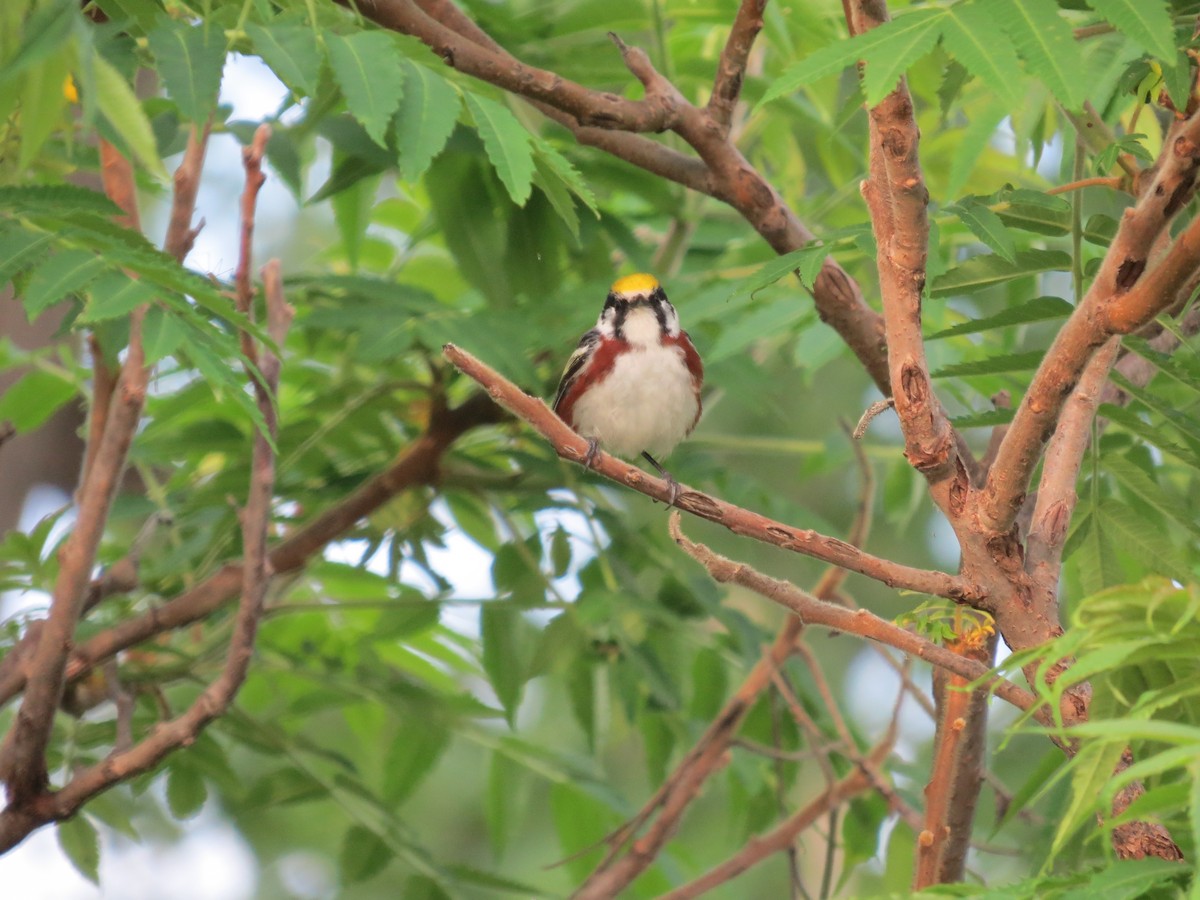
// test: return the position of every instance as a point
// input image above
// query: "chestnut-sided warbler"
(633, 383)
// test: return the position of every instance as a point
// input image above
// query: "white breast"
(645, 403)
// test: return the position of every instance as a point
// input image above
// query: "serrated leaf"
(1034, 211)
(869, 46)
(994, 365)
(33, 399)
(1140, 484)
(986, 226)
(427, 115)
(65, 198)
(1038, 310)
(507, 144)
(190, 61)
(980, 272)
(162, 334)
(1150, 546)
(81, 844)
(806, 262)
(1146, 22)
(186, 791)
(566, 172)
(558, 195)
(913, 36)
(115, 295)
(1046, 43)
(292, 52)
(57, 276)
(367, 67)
(19, 249)
(970, 34)
(364, 854)
(121, 107)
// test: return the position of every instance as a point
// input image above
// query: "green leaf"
(367, 67)
(42, 105)
(974, 143)
(969, 33)
(1034, 211)
(1146, 22)
(190, 61)
(507, 144)
(986, 226)
(561, 166)
(994, 365)
(121, 107)
(981, 272)
(428, 113)
(34, 398)
(1046, 43)
(1038, 310)
(54, 278)
(45, 33)
(1149, 545)
(1140, 484)
(162, 333)
(501, 631)
(292, 52)
(805, 262)
(913, 35)
(115, 295)
(560, 552)
(79, 841)
(186, 791)
(364, 854)
(891, 48)
(411, 757)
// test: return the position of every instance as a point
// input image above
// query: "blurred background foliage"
(483, 679)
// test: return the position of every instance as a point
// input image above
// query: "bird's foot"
(673, 488)
(592, 450)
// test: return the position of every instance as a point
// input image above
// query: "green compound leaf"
(428, 112)
(190, 61)
(1046, 43)
(367, 68)
(507, 144)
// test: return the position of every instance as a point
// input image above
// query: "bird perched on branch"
(633, 383)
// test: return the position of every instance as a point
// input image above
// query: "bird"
(633, 383)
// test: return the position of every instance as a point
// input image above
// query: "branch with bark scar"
(956, 772)
(898, 200)
(1121, 299)
(570, 445)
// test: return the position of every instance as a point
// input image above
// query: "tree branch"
(731, 68)
(1120, 299)
(570, 445)
(898, 199)
(417, 465)
(860, 622)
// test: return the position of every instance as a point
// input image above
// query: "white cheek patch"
(646, 402)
